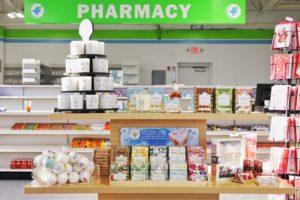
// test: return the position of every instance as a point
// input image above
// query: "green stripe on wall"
(1, 32)
(138, 34)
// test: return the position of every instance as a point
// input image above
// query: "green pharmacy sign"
(135, 11)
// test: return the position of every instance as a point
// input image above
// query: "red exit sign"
(194, 50)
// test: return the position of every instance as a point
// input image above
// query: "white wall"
(241, 64)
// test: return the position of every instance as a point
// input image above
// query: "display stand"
(157, 190)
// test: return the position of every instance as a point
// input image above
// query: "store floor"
(13, 190)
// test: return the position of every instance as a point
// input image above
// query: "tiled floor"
(13, 190)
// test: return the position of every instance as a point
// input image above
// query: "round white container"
(100, 65)
(85, 83)
(69, 84)
(101, 48)
(108, 101)
(91, 47)
(77, 47)
(92, 101)
(76, 101)
(63, 101)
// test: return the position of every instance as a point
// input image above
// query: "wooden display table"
(159, 116)
(160, 191)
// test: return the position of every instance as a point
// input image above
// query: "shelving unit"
(131, 73)
(3, 169)
(36, 149)
(99, 133)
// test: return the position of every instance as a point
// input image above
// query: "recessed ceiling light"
(11, 15)
(19, 15)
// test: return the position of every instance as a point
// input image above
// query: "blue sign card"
(159, 137)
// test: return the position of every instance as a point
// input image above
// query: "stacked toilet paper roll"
(88, 47)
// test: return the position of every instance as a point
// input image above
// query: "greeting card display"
(227, 158)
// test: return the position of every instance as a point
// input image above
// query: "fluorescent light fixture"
(11, 15)
(19, 15)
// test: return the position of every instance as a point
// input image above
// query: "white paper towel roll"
(100, 83)
(91, 47)
(85, 83)
(92, 101)
(76, 101)
(63, 101)
(69, 84)
(100, 65)
(77, 47)
(108, 101)
(101, 48)
(77, 65)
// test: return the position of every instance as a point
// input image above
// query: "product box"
(204, 99)
(250, 142)
(224, 100)
(243, 98)
(227, 158)
(157, 95)
(132, 97)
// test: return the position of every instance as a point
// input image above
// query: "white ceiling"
(261, 14)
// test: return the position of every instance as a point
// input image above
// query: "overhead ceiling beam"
(11, 4)
(268, 6)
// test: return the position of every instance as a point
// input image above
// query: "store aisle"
(13, 190)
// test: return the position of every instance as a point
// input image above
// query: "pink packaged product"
(283, 35)
(281, 66)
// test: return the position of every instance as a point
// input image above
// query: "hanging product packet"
(243, 97)
(283, 35)
(204, 99)
(296, 73)
(280, 95)
(224, 100)
(279, 129)
(281, 66)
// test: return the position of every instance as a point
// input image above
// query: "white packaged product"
(63, 101)
(101, 47)
(76, 101)
(91, 47)
(85, 83)
(100, 65)
(103, 83)
(69, 84)
(77, 65)
(108, 101)
(77, 47)
(92, 101)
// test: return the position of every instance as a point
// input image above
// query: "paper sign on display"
(160, 137)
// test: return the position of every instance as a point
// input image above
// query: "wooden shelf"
(160, 188)
(160, 116)
(23, 113)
